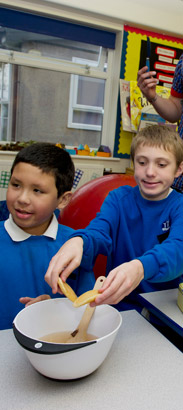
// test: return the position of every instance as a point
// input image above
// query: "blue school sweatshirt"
(23, 266)
(130, 227)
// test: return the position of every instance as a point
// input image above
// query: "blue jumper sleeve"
(164, 261)
(99, 235)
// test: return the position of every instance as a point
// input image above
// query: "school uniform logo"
(166, 229)
(166, 226)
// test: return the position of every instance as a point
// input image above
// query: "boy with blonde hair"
(140, 229)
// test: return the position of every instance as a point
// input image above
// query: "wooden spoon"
(80, 333)
(67, 290)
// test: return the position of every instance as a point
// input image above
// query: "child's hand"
(120, 282)
(64, 262)
(29, 301)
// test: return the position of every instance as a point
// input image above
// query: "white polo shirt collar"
(17, 234)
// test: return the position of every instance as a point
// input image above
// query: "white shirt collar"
(17, 234)
(170, 190)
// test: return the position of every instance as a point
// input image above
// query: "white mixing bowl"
(59, 360)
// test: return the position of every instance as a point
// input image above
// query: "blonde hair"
(159, 136)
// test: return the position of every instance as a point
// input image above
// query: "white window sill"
(96, 158)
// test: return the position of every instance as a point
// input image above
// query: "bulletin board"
(165, 53)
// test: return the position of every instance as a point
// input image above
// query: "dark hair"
(159, 136)
(51, 160)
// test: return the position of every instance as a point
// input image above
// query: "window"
(86, 100)
(5, 101)
(60, 85)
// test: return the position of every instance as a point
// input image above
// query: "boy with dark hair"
(41, 181)
(140, 229)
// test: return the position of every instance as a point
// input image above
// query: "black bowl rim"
(40, 347)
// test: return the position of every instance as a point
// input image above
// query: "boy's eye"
(38, 190)
(162, 165)
(14, 184)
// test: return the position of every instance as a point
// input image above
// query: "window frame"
(6, 102)
(111, 76)
(74, 106)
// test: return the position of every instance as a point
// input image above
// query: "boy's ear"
(179, 170)
(64, 200)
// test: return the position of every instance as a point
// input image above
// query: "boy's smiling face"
(154, 171)
(32, 198)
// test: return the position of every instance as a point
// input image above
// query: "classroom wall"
(162, 15)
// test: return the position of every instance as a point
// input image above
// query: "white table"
(143, 371)
(163, 304)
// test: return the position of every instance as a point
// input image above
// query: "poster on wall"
(163, 52)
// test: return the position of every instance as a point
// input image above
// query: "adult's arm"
(168, 108)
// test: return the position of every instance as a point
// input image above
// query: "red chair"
(87, 201)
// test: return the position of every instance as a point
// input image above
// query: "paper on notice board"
(125, 104)
(138, 102)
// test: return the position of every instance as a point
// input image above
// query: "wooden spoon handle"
(99, 282)
(89, 311)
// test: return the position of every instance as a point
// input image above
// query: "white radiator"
(85, 173)
(5, 167)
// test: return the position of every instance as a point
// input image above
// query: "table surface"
(165, 302)
(143, 371)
